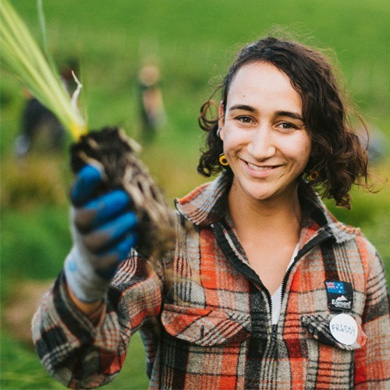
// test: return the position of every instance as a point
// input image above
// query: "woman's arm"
(93, 311)
(81, 353)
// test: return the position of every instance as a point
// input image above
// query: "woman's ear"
(221, 119)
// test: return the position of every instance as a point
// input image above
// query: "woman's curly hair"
(337, 154)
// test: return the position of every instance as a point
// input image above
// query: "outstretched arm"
(84, 324)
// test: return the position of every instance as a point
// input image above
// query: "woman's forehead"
(263, 84)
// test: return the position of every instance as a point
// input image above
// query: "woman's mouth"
(261, 167)
(260, 170)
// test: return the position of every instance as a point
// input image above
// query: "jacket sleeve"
(81, 355)
(372, 362)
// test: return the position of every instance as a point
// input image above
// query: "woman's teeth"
(257, 168)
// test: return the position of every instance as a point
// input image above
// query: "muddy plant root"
(112, 150)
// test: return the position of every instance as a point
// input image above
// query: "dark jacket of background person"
(205, 316)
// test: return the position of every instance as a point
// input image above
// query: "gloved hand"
(104, 230)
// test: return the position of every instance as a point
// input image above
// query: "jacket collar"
(207, 204)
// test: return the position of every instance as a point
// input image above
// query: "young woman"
(268, 290)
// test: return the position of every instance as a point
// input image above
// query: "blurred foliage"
(193, 43)
(34, 244)
(32, 181)
(21, 369)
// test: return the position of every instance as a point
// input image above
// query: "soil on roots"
(116, 154)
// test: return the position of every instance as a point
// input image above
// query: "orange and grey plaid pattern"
(205, 316)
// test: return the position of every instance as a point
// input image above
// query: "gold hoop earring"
(313, 175)
(223, 160)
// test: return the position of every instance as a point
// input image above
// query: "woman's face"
(264, 137)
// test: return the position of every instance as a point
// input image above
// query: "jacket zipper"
(321, 237)
(252, 276)
(241, 267)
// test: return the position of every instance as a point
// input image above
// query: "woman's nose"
(262, 143)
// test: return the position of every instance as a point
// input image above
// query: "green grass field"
(193, 42)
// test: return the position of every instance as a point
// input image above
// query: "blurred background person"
(150, 99)
(375, 142)
(39, 122)
(36, 119)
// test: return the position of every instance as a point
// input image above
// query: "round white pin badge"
(344, 329)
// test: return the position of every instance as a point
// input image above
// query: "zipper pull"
(274, 331)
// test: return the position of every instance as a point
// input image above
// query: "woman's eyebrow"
(242, 107)
(245, 107)
(290, 114)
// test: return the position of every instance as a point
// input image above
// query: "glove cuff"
(82, 279)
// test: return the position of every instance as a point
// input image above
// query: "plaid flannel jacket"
(205, 316)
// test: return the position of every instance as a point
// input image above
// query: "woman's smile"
(260, 170)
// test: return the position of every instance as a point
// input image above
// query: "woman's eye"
(244, 119)
(287, 126)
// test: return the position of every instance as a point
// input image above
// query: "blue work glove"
(104, 230)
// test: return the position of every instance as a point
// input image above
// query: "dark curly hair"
(337, 154)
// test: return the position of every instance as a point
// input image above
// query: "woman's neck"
(280, 215)
(268, 231)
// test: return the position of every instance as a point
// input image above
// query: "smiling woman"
(265, 288)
